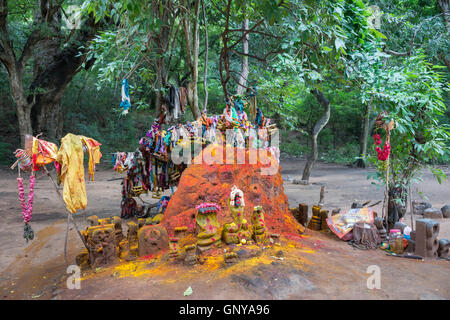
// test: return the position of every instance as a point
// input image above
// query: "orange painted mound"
(213, 182)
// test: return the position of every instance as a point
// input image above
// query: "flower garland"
(27, 207)
(383, 154)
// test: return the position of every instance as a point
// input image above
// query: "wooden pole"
(388, 127)
(68, 212)
(411, 208)
(322, 196)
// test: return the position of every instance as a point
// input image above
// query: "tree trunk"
(244, 67)
(192, 49)
(321, 123)
(162, 43)
(365, 126)
(159, 87)
(205, 75)
(22, 106)
(195, 58)
(56, 62)
(48, 117)
(311, 159)
(396, 210)
(23, 115)
(445, 7)
(192, 97)
(47, 90)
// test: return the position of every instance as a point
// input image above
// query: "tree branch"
(412, 44)
(249, 55)
(326, 116)
(255, 31)
(187, 35)
(7, 55)
(32, 40)
(67, 62)
(262, 59)
(244, 33)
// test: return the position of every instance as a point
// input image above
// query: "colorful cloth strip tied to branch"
(150, 168)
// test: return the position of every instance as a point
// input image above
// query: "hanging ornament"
(126, 103)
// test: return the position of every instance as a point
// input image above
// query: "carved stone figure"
(190, 257)
(101, 245)
(118, 233)
(93, 221)
(235, 232)
(174, 248)
(207, 226)
(260, 234)
(152, 240)
(316, 222)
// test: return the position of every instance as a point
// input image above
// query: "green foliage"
(97, 115)
(412, 96)
(343, 155)
(6, 149)
(317, 44)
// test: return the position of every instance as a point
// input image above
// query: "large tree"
(55, 54)
(192, 44)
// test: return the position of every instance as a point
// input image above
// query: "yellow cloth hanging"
(70, 157)
(93, 148)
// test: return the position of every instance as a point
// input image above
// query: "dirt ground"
(316, 266)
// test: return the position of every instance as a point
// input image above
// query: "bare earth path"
(318, 266)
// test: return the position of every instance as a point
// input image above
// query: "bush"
(343, 155)
(6, 150)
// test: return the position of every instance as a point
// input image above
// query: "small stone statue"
(316, 221)
(259, 226)
(236, 231)
(152, 240)
(101, 245)
(174, 248)
(207, 226)
(190, 258)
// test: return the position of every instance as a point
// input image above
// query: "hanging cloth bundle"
(174, 101)
(126, 102)
(23, 160)
(259, 120)
(70, 156)
(44, 152)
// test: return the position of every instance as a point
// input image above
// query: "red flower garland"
(377, 139)
(383, 154)
(27, 207)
